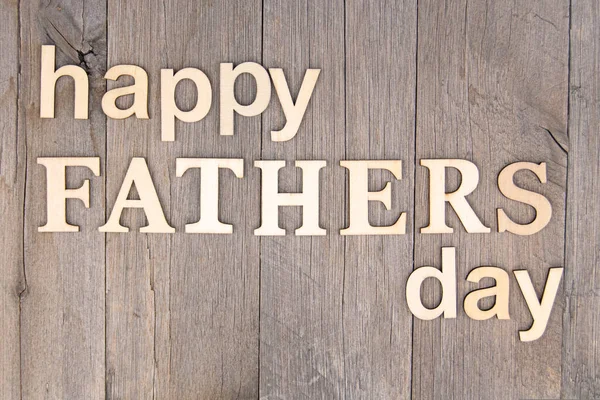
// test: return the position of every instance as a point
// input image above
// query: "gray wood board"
(301, 347)
(580, 350)
(62, 310)
(380, 86)
(12, 178)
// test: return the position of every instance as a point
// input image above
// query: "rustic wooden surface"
(128, 316)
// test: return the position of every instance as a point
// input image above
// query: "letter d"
(447, 277)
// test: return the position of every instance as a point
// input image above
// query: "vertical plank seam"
(152, 272)
(171, 239)
(412, 333)
(152, 289)
(262, 61)
(566, 219)
(347, 210)
(106, 393)
(23, 291)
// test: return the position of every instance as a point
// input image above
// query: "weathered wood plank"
(380, 124)
(182, 309)
(215, 278)
(137, 264)
(62, 321)
(492, 82)
(581, 353)
(12, 180)
(301, 323)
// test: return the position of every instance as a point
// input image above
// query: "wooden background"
(137, 316)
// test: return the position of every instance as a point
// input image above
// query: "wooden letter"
(227, 93)
(271, 199)
(139, 90)
(447, 277)
(139, 175)
(543, 208)
(209, 190)
(168, 106)
(57, 194)
(48, 85)
(360, 197)
(540, 310)
(500, 291)
(294, 112)
(438, 196)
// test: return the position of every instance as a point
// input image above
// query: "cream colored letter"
(500, 292)
(360, 197)
(48, 85)
(209, 190)
(540, 310)
(57, 194)
(294, 113)
(227, 93)
(139, 90)
(169, 109)
(438, 196)
(447, 277)
(543, 208)
(271, 199)
(139, 175)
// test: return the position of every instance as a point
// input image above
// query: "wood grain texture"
(492, 84)
(580, 351)
(301, 325)
(12, 180)
(380, 124)
(182, 309)
(62, 310)
(137, 265)
(215, 278)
